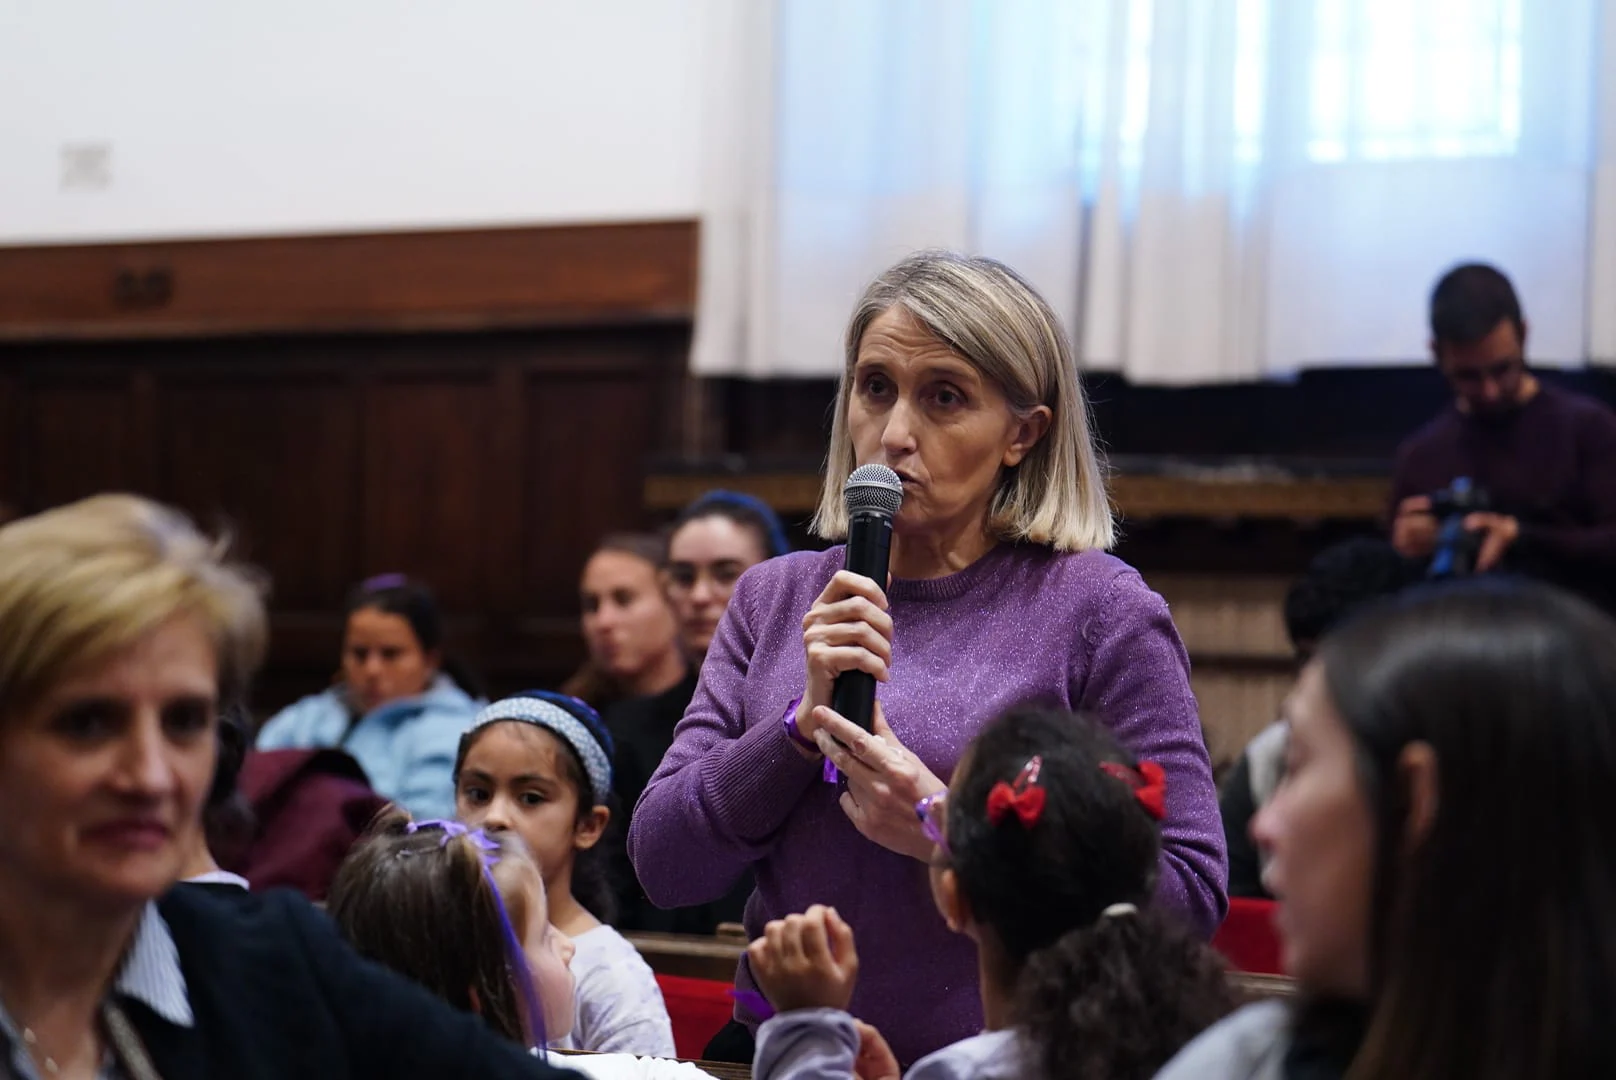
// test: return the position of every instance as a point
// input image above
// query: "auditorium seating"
(696, 973)
(1248, 938)
(698, 1009)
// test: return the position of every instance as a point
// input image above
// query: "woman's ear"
(1419, 773)
(1025, 436)
(591, 827)
(476, 1002)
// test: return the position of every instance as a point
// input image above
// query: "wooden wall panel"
(424, 480)
(486, 458)
(585, 436)
(78, 441)
(275, 458)
(461, 280)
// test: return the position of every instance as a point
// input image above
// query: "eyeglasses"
(1497, 371)
(932, 812)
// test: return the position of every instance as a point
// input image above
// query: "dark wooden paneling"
(588, 437)
(1348, 415)
(78, 441)
(425, 510)
(471, 279)
(486, 460)
(277, 460)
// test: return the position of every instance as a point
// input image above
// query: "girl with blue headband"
(539, 765)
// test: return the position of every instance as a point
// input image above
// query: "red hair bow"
(1149, 783)
(1024, 798)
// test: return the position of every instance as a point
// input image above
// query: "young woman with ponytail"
(1047, 845)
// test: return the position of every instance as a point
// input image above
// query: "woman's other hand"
(884, 781)
(806, 961)
(846, 629)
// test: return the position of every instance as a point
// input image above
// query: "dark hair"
(591, 881)
(651, 547)
(1470, 301)
(227, 818)
(421, 904)
(1492, 944)
(1099, 996)
(233, 742)
(744, 510)
(589, 683)
(395, 594)
(1340, 580)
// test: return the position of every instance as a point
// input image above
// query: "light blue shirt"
(406, 747)
(822, 1044)
(150, 975)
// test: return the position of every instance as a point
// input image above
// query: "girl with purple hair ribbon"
(464, 913)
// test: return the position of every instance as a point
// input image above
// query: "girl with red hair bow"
(1046, 855)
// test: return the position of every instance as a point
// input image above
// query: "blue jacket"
(406, 747)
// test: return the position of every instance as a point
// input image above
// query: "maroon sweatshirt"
(1551, 464)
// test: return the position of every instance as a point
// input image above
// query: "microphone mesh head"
(873, 487)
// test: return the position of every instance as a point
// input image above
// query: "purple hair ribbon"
(753, 1002)
(384, 581)
(516, 955)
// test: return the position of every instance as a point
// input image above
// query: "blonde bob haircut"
(994, 320)
(82, 582)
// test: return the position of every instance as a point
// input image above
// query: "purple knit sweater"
(1021, 624)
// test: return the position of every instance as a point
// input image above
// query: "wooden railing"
(1233, 495)
(716, 958)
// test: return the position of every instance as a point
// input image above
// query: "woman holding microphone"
(958, 377)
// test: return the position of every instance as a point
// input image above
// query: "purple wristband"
(753, 1002)
(830, 773)
(788, 721)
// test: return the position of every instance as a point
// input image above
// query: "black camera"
(1456, 546)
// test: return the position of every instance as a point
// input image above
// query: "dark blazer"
(278, 994)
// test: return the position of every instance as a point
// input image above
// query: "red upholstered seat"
(698, 1009)
(1248, 938)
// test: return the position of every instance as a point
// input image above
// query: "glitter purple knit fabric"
(1021, 624)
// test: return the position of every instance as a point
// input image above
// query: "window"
(1384, 80)
(1396, 79)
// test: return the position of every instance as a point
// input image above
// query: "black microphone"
(873, 495)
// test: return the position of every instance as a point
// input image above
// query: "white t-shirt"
(620, 1007)
(626, 1067)
(219, 877)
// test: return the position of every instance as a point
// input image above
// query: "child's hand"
(875, 1060)
(806, 961)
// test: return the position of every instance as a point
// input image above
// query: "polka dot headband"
(567, 718)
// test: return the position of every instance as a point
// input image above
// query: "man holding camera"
(1541, 459)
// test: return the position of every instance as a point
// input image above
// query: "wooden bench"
(714, 958)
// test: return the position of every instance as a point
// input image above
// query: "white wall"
(247, 117)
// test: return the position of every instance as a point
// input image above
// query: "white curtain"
(1206, 190)
(1602, 262)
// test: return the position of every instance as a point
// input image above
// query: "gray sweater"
(1248, 1045)
(821, 1044)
